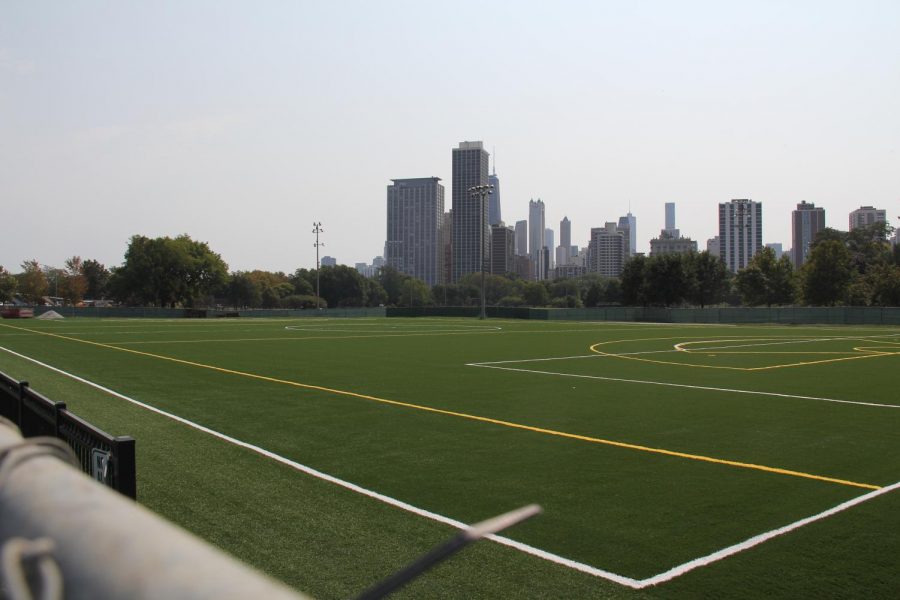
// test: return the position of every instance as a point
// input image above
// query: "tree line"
(851, 268)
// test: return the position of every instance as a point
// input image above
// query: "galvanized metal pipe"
(107, 546)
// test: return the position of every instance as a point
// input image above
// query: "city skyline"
(240, 126)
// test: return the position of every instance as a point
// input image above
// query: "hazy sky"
(241, 123)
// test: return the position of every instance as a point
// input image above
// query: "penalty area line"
(525, 548)
(677, 385)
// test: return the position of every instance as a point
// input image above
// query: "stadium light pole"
(317, 229)
(482, 192)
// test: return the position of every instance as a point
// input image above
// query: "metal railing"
(108, 459)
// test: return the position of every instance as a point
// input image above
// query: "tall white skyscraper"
(670, 215)
(740, 232)
(536, 236)
(471, 231)
(670, 231)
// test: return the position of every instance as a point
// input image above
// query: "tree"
(73, 284)
(707, 278)
(665, 279)
(342, 286)
(885, 285)
(32, 282)
(827, 273)
(415, 293)
(165, 271)
(392, 281)
(242, 291)
(634, 278)
(97, 277)
(766, 280)
(535, 294)
(8, 285)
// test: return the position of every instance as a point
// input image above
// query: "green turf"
(624, 510)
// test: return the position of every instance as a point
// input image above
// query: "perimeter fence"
(785, 315)
(127, 312)
(108, 459)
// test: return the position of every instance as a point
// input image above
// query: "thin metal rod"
(447, 549)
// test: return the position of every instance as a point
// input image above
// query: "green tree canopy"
(826, 273)
(766, 280)
(96, 276)
(32, 282)
(8, 285)
(166, 272)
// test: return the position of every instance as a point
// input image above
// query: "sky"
(243, 123)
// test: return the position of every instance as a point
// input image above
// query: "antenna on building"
(494, 154)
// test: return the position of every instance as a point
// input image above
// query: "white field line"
(677, 385)
(759, 539)
(614, 577)
(537, 552)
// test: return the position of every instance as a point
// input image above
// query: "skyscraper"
(565, 242)
(606, 250)
(503, 258)
(670, 231)
(415, 215)
(806, 222)
(628, 226)
(494, 203)
(536, 236)
(548, 244)
(867, 215)
(740, 232)
(471, 232)
(522, 238)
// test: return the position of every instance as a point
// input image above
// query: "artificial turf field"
(671, 461)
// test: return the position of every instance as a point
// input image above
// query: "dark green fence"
(108, 459)
(839, 315)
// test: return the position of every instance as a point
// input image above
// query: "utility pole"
(317, 229)
(482, 192)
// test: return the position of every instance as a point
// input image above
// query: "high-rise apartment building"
(415, 214)
(712, 246)
(328, 261)
(606, 250)
(565, 242)
(867, 215)
(740, 232)
(494, 217)
(503, 247)
(806, 222)
(471, 231)
(536, 237)
(522, 238)
(628, 227)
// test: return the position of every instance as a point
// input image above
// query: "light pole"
(317, 229)
(482, 192)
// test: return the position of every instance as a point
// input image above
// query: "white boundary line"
(537, 552)
(666, 384)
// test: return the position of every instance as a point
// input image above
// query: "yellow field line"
(680, 348)
(510, 424)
